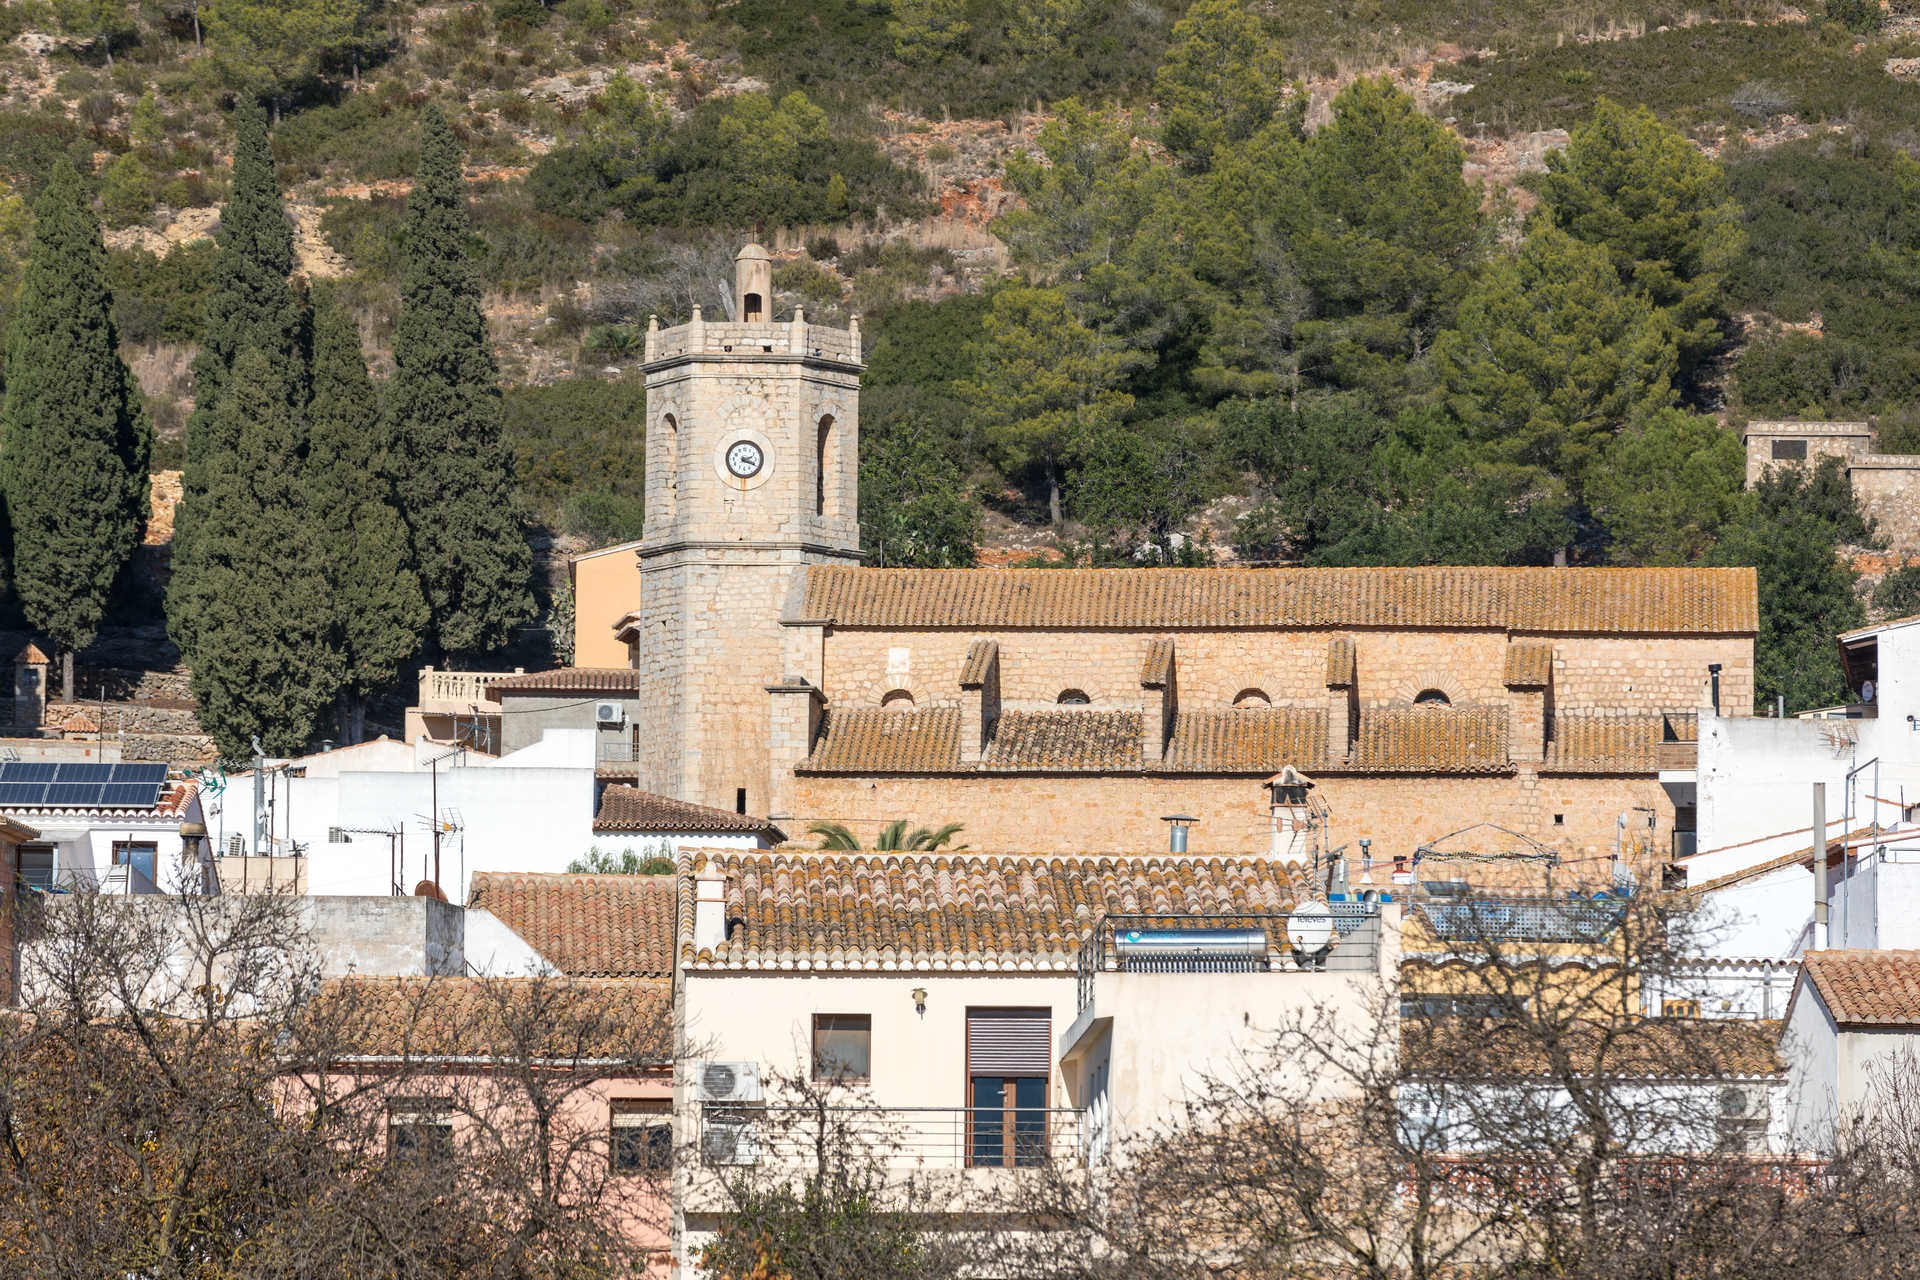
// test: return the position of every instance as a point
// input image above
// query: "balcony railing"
(455, 691)
(735, 1134)
(1258, 944)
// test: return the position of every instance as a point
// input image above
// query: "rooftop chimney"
(709, 907)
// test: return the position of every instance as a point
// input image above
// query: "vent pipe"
(1177, 825)
(1713, 674)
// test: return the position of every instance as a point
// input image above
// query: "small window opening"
(740, 800)
(897, 700)
(1074, 698)
(419, 1129)
(825, 497)
(1431, 698)
(842, 1046)
(751, 308)
(1789, 450)
(1248, 699)
(641, 1137)
(1559, 819)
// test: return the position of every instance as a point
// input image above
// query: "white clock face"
(744, 459)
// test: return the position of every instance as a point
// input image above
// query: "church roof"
(808, 907)
(624, 808)
(1545, 601)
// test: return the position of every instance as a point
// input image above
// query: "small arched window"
(1074, 698)
(752, 310)
(822, 462)
(896, 700)
(1249, 699)
(1431, 698)
(670, 471)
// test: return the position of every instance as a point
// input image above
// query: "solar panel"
(152, 775)
(76, 794)
(22, 792)
(129, 795)
(94, 773)
(26, 771)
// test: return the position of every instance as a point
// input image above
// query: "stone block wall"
(1887, 487)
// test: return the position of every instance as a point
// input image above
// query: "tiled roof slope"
(1340, 662)
(1259, 740)
(1545, 601)
(1529, 665)
(587, 926)
(1157, 671)
(1433, 740)
(553, 1019)
(1045, 741)
(980, 656)
(877, 740)
(625, 808)
(1594, 743)
(811, 909)
(1867, 988)
(619, 680)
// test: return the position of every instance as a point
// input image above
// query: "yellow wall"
(606, 588)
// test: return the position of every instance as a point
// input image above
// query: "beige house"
(1074, 710)
(980, 1014)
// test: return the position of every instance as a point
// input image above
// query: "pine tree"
(74, 440)
(453, 476)
(378, 611)
(263, 662)
(252, 304)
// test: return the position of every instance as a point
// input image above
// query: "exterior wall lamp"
(920, 1001)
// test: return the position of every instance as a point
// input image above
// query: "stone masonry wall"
(1887, 486)
(1122, 815)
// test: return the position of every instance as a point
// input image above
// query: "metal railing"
(1355, 946)
(739, 1134)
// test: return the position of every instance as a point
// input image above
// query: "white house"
(981, 1014)
(121, 828)
(1852, 1044)
(1766, 899)
(384, 816)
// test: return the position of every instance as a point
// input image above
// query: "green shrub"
(126, 191)
(580, 453)
(159, 299)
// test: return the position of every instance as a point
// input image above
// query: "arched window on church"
(822, 463)
(1251, 699)
(896, 700)
(1074, 698)
(752, 309)
(670, 448)
(1432, 698)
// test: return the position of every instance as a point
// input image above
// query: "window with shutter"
(1009, 1065)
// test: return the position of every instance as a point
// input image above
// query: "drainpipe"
(1819, 867)
(1713, 674)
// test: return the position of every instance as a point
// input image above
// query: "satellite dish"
(1867, 691)
(1310, 927)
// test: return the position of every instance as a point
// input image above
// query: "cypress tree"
(263, 661)
(378, 610)
(451, 470)
(74, 440)
(251, 303)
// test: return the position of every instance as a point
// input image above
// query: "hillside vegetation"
(1146, 282)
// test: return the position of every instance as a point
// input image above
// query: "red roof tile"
(545, 1019)
(1866, 988)
(614, 680)
(625, 808)
(587, 926)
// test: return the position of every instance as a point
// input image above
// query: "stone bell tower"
(752, 474)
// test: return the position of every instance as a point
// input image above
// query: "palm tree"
(893, 838)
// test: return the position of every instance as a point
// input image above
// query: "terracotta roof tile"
(615, 680)
(1044, 741)
(980, 658)
(1157, 671)
(1257, 740)
(884, 910)
(587, 926)
(1545, 601)
(1599, 743)
(1866, 988)
(624, 808)
(1340, 662)
(1408, 739)
(873, 740)
(1656, 1048)
(1529, 665)
(1680, 726)
(555, 1019)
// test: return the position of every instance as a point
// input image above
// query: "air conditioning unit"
(609, 713)
(730, 1139)
(727, 1082)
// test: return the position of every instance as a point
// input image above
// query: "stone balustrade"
(792, 338)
